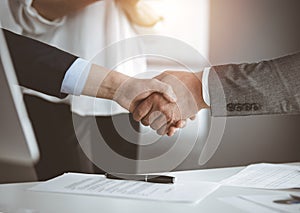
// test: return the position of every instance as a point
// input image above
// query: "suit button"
(247, 107)
(255, 107)
(238, 107)
(230, 107)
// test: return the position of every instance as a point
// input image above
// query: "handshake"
(164, 103)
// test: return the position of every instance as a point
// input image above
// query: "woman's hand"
(127, 91)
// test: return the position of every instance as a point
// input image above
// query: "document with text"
(99, 185)
(267, 176)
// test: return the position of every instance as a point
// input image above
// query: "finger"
(150, 117)
(165, 89)
(159, 122)
(163, 130)
(180, 124)
(172, 131)
(142, 110)
(161, 76)
(135, 104)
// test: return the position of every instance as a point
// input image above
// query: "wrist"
(103, 83)
(111, 84)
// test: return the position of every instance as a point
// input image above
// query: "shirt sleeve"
(30, 20)
(205, 92)
(76, 77)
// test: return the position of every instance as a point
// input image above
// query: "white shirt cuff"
(205, 92)
(75, 77)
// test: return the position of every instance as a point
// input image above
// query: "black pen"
(295, 199)
(146, 178)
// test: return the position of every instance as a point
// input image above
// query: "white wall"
(187, 20)
(253, 30)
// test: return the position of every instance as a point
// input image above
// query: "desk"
(16, 197)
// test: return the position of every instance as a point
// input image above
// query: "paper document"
(98, 185)
(262, 203)
(245, 205)
(266, 176)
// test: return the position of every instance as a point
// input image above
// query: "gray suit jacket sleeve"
(267, 87)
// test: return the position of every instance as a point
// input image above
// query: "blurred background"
(236, 31)
(231, 31)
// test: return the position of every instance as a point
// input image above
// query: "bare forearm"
(125, 90)
(103, 83)
(53, 9)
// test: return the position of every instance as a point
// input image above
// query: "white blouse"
(83, 34)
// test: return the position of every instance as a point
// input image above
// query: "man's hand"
(164, 116)
(160, 114)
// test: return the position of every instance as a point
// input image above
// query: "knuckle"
(161, 75)
(154, 81)
(168, 116)
(153, 115)
(154, 97)
(145, 122)
(137, 114)
(154, 126)
(161, 107)
(159, 132)
(162, 130)
(158, 124)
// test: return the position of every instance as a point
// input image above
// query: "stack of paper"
(99, 185)
(266, 176)
(262, 203)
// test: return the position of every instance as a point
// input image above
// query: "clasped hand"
(163, 103)
(166, 116)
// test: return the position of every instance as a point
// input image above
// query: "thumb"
(165, 89)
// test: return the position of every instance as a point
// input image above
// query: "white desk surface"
(15, 198)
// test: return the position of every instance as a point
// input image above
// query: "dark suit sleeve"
(38, 66)
(267, 87)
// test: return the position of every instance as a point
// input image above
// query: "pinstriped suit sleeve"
(267, 87)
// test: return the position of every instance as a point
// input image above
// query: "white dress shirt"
(205, 92)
